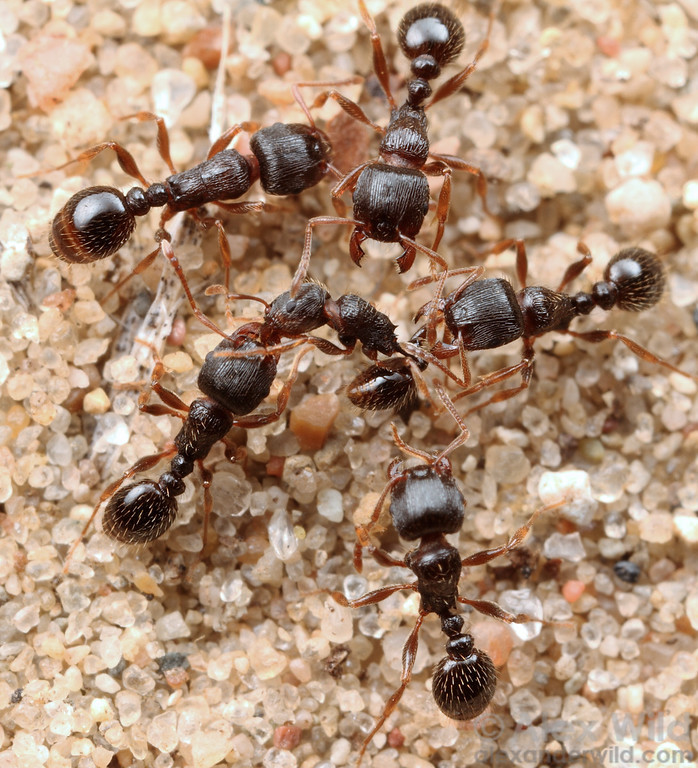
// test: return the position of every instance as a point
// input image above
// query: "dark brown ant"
(426, 504)
(391, 194)
(488, 313)
(287, 158)
(234, 378)
(353, 318)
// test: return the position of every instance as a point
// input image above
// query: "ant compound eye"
(464, 682)
(139, 513)
(92, 225)
(639, 278)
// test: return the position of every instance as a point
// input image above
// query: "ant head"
(430, 36)
(141, 512)
(92, 225)
(464, 682)
(638, 278)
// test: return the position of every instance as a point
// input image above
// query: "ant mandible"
(391, 194)
(426, 505)
(287, 158)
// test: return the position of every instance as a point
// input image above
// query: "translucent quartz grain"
(524, 707)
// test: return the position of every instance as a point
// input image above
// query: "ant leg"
(409, 654)
(476, 272)
(144, 464)
(521, 262)
(433, 359)
(160, 235)
(304, 263)
(370, 598)
(224, 248)
(383, 558)
(380, 66)
(456, 164)
(173, 404)
(163, 138)
(363, 531)
(224, 140)
(347, 105)
(524, 367)
(454, 84)
(345, 183)
(218, 290)
(405, 263)
(489, 608)
(142, 265)
(273, 349)
(521, 257)
(408, 449)
(644, 354)
(350, 107)
(464, 431)
(125, 159)
(479, 558)
(251, 206)
(169, 254)
(444, 202)
(576, 269)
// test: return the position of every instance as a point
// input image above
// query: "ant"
(426, 504)
(353, 318)
(488, 313)
(391, 194)
(287, 158)
(235, 378)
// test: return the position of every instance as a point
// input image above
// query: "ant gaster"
(488, 313)
(391, 195)
(426, 504)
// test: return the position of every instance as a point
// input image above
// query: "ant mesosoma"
(391, 194)
(426, 504)
(287, 158)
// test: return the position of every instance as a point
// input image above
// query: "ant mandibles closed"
(286, 158)
(391, 194)
(426, 504)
